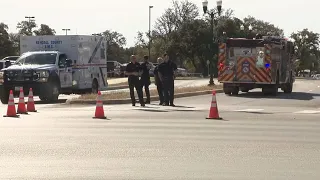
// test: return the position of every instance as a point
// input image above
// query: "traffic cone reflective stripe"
(11, 111)
(21, 106)
(214, 113)
(99, 113)
(30, 104)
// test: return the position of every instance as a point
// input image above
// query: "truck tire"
(274, 90)
(227, 90)
(52, 93)
(288, 88)
(265, 91)
(271, 90)
(95, 87)
(4, 97)
(235, 91)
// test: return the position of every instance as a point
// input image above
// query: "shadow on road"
(254, 112)
(168, 110)
(152, 110)
(294, 95)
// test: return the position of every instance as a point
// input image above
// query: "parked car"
(114, 68)
(316, 76)
(9, 60)
(123, 69)
(151, 69)
(182, 72)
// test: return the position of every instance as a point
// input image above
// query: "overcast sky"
(130, 16)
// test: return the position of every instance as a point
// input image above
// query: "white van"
(53, 65)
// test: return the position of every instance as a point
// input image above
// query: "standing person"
(133, 72)
(145, 77)
(167, 75)
(158, 82)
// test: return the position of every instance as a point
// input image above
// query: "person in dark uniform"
(158, 82)
(133, 71)
(145, 77)
(167, 75)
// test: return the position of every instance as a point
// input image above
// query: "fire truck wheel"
(227, 92)
(288, 88)
(274, 90)
(271, 90)
(227, 89)
(235, 91)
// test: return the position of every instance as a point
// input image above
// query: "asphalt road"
(259, 138)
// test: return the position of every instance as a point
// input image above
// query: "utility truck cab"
(53, 65)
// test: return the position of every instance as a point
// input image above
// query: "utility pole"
(150, 7)
(66, 30)
(30, 19)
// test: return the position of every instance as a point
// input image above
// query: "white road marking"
(307, 112)
(249, 110)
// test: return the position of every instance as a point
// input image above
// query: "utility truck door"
(65, 71)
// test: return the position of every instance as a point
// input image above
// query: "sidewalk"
(112, 81)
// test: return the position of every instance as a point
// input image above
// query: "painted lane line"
(307, 112)
(249, 110)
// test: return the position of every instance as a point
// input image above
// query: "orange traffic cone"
(99, 114)
(21, 105)
(214, 113)
(11, 111)
(30, 104)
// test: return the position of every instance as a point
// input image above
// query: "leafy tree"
(26, 27)
(306, 49)
(5, 43)
(165, 36)
(115, 43)
(262, 27)
(173, 18)
(44, 30)
(15, 40)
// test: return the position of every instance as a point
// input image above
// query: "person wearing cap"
(145, 77)
(158, 82)
(133, 71)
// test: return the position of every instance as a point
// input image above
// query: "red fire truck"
(266, 62)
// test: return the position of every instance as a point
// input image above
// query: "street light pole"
(149, 45)
(212, 14)
(66, 30)
(30, 18)
(250, 31)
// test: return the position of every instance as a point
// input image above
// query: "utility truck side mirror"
(61, 64)
(7, 63)
(68, 62)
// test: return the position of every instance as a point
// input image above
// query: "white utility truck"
(53, 65)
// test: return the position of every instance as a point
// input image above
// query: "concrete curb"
(128, 101)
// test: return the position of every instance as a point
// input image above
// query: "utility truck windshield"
(38, 58)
